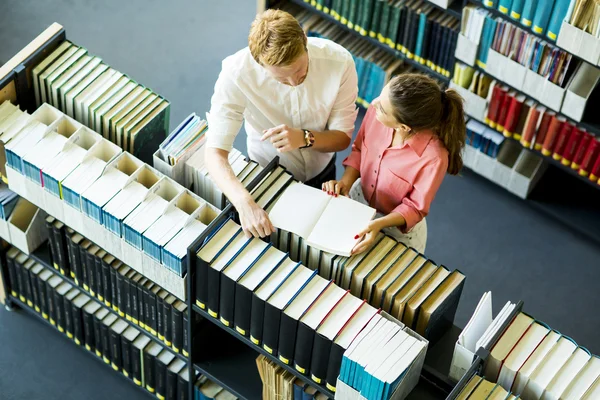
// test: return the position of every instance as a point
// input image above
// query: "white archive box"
(9, 128)
(469, 156)
(114, 178)
(62, 165)
(475, 106)
(495, 64)
(4, 231)
(151, 208)
(27, 226)
(579, 89)
(466, 50)
(579, 42)
(43, 153)
(408, 382)
(90, 169)
(528, 170)
(123, 203)
(543, 90)
(513, 73)
(484, 165)
(505, 162)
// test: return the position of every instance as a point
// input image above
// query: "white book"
(9, 131)
(567, 374)
(245, 259)
(45, 150)
(7, 108)
(88, 95)
(227, 232)
(324, 304)
(229, 252)
(272, 258)
(396, 373)
(116, 97)
(388, 352)
(179, 244)
(364, 320)
(41, 67)
(92, 71)
(266, 289)
(496, 324)
(54, 86)
(479, 322)
(55, 69)
(108, 95)
(267, 197)
(27, 138)
(329, 224)
(12, 114)
(540, 353)
(165, 228)
(339, 316)
(593, 392)
(583, 381)
(290, 287)
(306, 297)
(375, 343)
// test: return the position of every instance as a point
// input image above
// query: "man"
(297, 97)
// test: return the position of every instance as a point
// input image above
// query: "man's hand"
(335, 188)
(284, 138)
(255, 221)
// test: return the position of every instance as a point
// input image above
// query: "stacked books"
(127, 292)
(585, 15)
(417, 29)
(473, 80)
(483, 138)
(281, 384)
(382, 360)
(205, 389)
(544, 18)
(124, 347)
(8, 201)
(543, 130)
(101, 98)
(479, 388)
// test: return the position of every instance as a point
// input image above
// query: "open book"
(327, 223)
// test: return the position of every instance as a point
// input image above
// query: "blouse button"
(375, 171)
(380, 156)
(372, 186)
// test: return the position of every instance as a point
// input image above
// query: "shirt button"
(375, 171)
(372, 186)
(380, 156)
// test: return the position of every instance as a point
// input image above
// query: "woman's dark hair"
(420, 103)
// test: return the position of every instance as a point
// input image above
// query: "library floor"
(500, 242)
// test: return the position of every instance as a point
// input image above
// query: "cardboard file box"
(475, 106)
(579, 89)
(505, 162)
(528, 170)
(27, 226)
(466, 50)
(578, 42)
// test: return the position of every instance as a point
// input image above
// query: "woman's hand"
(367, 236)
(335, 188)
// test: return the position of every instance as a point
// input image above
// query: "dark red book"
(581, 148)
(533, 117)
(553, 130)
(503, 111)
(561, 140)
(595, 170)
(569, 152)
(542, 130)
(591, 154)
(513, 115)
(498, 95)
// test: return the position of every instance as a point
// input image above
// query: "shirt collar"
(419, 141)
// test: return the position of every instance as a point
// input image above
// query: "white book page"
(340, 222)
(478, 324)
(299, 208)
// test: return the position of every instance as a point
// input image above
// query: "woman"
(412, 134)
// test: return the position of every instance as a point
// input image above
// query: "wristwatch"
(309, 139)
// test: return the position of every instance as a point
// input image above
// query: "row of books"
(585, 15)
(146, 213)
(281, 384)
(122, 289)
(479, 388)
(74, 313)
(544, 17)
(103, 99)
(416, 28)
(483, 138)
(541, 129)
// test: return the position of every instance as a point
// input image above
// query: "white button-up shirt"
(245, 91)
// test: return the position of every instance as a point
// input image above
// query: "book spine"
(90, 264)
(99, 281)
(68, 307)
(161, 371)
(167, 324)
(98, 336)
(214, 278)
(121, 299)
(303, 351)
(106, 350)
(44, 299)
(129, 297)
(201, 283)
(334, 366)
(55, 238)
(113, 289)
(78, 335)
(185, 346)
(58, 312)
(320, 358)
(106, 286)
(136, 365)
(149, 373)
(171, 386)
(139, 296)
(12, 277)
(126, 356)
(25, 287)
(271, 329)
(146, 309)
(227, 300)
(160, 327)
(51, 308)
(287, 338)
(176, 328)
(581, 148)
(152, 309)
(35, 292)
(85, 283)
(88, 331)
(76, 272)
(243, 309)
(257, 318)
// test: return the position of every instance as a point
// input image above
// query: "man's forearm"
(217, 163)
(330, 141)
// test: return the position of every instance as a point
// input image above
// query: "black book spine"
(149, 372)
(414, 31)
(335, 363)
(90, 264)
(59, 313)
(20, 286)
(63, 253)
(402, 27)
(35, 291)
(58, 258)
(88, 330)
(43, 290)
(167, 324)
(214, 286)
(76, 269)
(140, 302)
(152, 307)
(129, 293)
(303, 351)
(436, 44)
(182, 389)
(113, 290)
(126, 356)
(51, 243)
(320, 358)
(227, 300)
(442, 38)
(84, 270)
(78, 326)
(426, 41)
(136, 365)
(271, 329)
(201, 283)
(257, 319)
(243, 309)
(161, 379)
(147, 314)
(98, 336)
(185, 346)
(12, 277)
(121, 299)
(115, 350)
(27, 287)
(68, 322)
(171, 385)
(134, 302)
(287, 338)
(106, 351)
(50, 301)
(99, 279)
(160, 327)
(106, 287)
(177, 329)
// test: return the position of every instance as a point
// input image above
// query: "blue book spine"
(516, 9)
(487, 38)
(558, 15)
(420, 34)
(298, 392)
(529, 7)
(542, 15)
(504, 6)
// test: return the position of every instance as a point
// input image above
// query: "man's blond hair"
(276, 39)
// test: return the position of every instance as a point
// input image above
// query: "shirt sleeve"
(226, 112)
(415, 206)
(344, 112)
(353, 160)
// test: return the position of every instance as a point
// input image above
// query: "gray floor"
(496, 239)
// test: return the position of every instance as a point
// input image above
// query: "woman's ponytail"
(452, 130)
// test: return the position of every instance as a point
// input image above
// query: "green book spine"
(368, 9)
(327, 6)
(394, 24)
(319, 5)
(336, 9)
(352, 13)
(376, 18)
(344, 11)
(358, 19)
(385, 20)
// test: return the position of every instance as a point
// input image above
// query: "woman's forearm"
(393, 219)
(350, 176)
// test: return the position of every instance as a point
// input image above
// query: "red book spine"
(595, 170)
(590, 156)
(512, 117)
(542, 130)
(550, 139)
(569, 153)
(561, 140)
(503, 111)
(581, 148)
(531, 124)
(497, 99)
